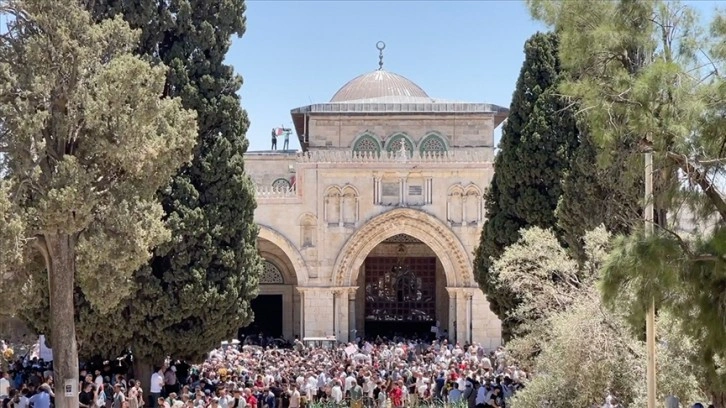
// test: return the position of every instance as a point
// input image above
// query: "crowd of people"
(382, 373)
(372, 374)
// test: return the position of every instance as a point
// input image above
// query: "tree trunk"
(142, 374)
(61, 277)
(718, 399)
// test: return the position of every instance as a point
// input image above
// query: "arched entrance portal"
(402, 291)
(276, 307)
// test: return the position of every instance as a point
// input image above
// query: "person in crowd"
(156, 386)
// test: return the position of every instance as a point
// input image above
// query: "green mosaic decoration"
(366, 143)
(432, 144)
(394, 143)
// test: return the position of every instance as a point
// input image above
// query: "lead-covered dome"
(378, 84)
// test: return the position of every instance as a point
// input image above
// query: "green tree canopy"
(647, 71)
(537, 141)
(88, 138)
(598, 191)
(196, 291)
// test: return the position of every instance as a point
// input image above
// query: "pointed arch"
(367, 143)
(433, 143)
(393, 142)
(415, 223)
(472, 189)
(298, 263)
(455, 189)
(349, 189)
(333, 191)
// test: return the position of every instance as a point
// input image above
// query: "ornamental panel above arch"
(433, 144)
(271, 274)
(367, 143)
(281, 184)
(393, 143)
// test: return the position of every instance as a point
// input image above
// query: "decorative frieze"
(347, 156)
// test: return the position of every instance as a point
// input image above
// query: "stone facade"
(372, 171)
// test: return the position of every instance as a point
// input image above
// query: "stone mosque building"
(371, 228)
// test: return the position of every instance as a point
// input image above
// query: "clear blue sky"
(295, 53)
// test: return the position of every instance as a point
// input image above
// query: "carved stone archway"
(298, 264)
(418, 224)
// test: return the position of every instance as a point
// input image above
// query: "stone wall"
(460, 130)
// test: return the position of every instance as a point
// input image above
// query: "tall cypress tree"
(598, 191)
(196, 291)
(537, 142)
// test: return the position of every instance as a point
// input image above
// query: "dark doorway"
(268, 317)
(400, 296)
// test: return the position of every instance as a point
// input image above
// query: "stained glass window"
(281, 183)
(400, 291)
(394, 144)
(271, 274)
(432, 144)
(366, 144)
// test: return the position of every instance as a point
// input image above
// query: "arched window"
(281, 184)
(394, 143)
(271, 274)
(367, 144)
(432, 144)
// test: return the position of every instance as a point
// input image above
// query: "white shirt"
(337, 394)
(157, 382)
(350, 382)
(23, 402)
(224, 401)
(295, 399)
(4, 387)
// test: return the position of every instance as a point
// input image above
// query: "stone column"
(469, 315)
(453, 318)
(341, 314)
(301, 291)
(352, 333)
(464, 199)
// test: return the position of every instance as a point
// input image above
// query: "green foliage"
(687, 287)
(88, 139)
(548, 281)
(197, 289)
(537, 141)
(642, 268)
(589, 354)
(646, 71)
(578, 350)
(598, 192)
(540, 273)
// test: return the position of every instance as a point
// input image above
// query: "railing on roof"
(274, 192)
(347, 156)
